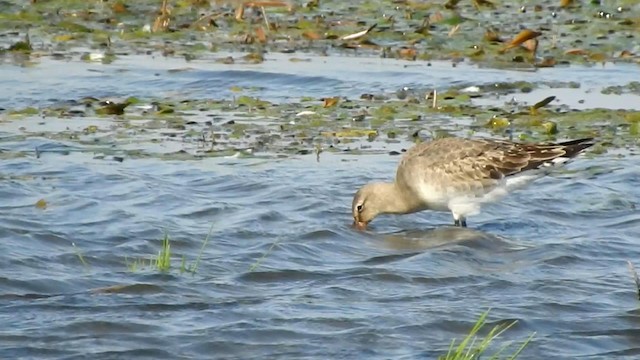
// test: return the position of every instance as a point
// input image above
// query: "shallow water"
(284, 275)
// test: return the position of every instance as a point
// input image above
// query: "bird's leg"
(459, 221)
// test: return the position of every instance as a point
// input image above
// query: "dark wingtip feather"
(574, 147)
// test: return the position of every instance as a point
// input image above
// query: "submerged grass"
(259, 261)
(473, 347)
(162, 261)
(79, 255)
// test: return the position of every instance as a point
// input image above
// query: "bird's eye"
(359, 208)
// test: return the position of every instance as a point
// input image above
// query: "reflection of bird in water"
(436, 237)
(459, 175)
(485, 248)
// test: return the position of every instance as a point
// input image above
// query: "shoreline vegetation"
(492, 34)
(96, 32)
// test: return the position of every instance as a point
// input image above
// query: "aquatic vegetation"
(79, 255)
(259, 261)
(162, 261)
(407, 30)
(472, 347)
(636, 278)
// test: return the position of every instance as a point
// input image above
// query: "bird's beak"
(360, 225)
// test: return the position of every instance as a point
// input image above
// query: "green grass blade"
(473, 348)
(194, 267)
(79, 255)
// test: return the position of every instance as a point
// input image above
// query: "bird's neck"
(398, 201)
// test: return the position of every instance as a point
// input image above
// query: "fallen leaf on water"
(492, 35)
(565, 3)
(546, 63)
(41, 204)
(454, 30)
(162, 21)
(407, 53)
(576, 52)
(119, 7)
(267, 4)
(239, 13)
(626, 54)
(436, 17)
(358, 34)
(523, 36)
(531, 45)
(330, 102)
(451, 4)
(64, 38)
(350, 133)
(261, 35)
(305, 113)
(311, 35)
(486, 3)
(544, 102)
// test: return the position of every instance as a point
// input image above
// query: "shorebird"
(459, 175)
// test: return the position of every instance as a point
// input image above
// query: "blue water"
(283, 274)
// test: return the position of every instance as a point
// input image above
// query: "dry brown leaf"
(546, 101)
(266, 4)
(261, 35)
(162, 21)
(492, 35)
(486, 3)
(119, 7)
(239, 13)
(565, 3)
(576, 52)
(311, 35)
(531, 45)
(407, 53)
(358, 34)
(330, 102)
(523, 36)
(451, 4)
(625, 54)
(436, 17)
(546, 63)
(454, 30)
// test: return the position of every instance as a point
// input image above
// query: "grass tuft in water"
(162, 261)
(257, 263)
(635, 276)
(79, 255)
(473, 348)
(194, 267)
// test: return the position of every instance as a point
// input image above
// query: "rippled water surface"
(283, 274)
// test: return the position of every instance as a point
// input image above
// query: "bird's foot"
(462, 222)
